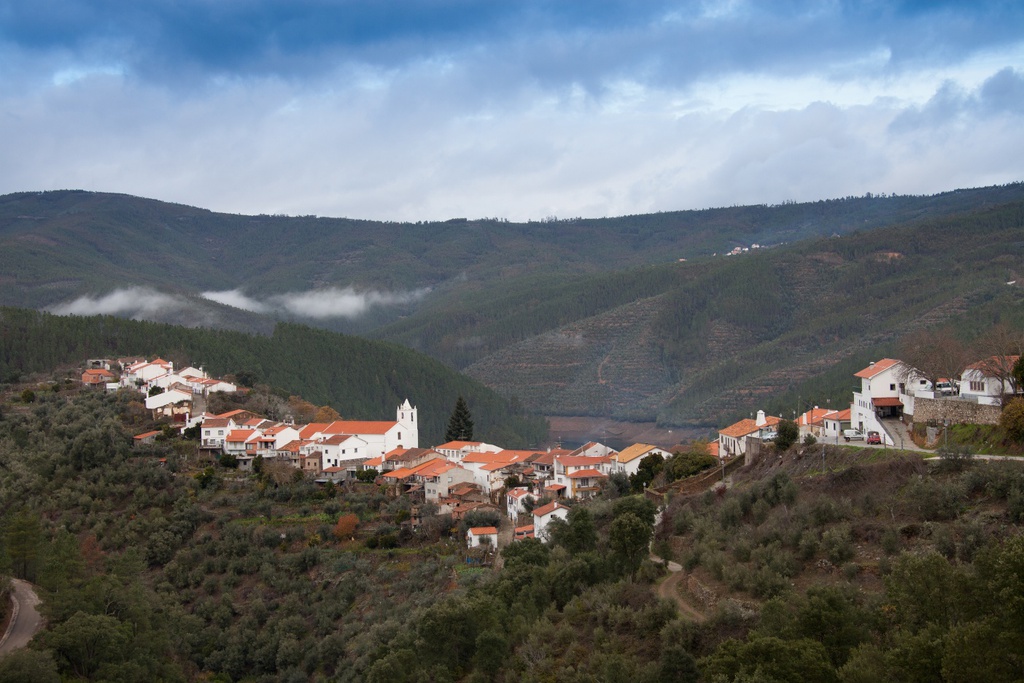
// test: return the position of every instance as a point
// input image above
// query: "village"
(530, 487)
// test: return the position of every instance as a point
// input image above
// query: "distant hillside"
(58, 245)
(719, 337)
(577, 317)
(361, 379)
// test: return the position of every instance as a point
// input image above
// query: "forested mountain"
(575, 317)
(781, 329)
(361, 379)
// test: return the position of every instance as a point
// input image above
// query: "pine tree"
(460, 424)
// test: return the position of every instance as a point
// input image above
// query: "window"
(892, 387)
(399, 436)
(978, 386)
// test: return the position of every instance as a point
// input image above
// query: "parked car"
(874, 438)
(852, 435)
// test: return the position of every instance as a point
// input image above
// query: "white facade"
(979, 384)
(542, 517)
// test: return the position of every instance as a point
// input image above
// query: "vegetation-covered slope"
(359, 378)
(874, 567)
(711, 339)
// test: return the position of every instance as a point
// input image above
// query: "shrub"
(837, 544)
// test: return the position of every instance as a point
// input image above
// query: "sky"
(415, 110)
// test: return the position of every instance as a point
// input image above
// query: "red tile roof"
(748, 426)
(583, 474)
(358, 427)
(549, 508)
(876, 368)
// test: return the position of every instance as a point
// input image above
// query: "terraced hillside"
(781, 329)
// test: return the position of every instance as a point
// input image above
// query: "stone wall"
(957, 412)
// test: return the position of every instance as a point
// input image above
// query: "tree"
(650, 466)
(326, 414)
(24, 540)
(787, 434)
(932, 355)
(629, 538)
(29, 666)
(579, 534)
(460, 424)
(1012, 419)
(85, 642)
(346, 526)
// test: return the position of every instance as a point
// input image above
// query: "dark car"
(874, 438)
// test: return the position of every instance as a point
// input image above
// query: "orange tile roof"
(458, 445)
(359, 427)
(583, 474)
(994, 363)
(876, 367)
(312, 428)
(549, 508)
(482, 530)
(814, 416)
(146, 435)
(748, 426)
(236, 435)
(635, 451)
(400, 473)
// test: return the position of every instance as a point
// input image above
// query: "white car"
(853, 435)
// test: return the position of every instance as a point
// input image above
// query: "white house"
(628, 460)
(380, 436)
(543, 515)
(515, 502)
(170, 402)
(883, 394)
(732, 441)
(457, 450)
(343, 448)
(482, 536)
(440, 476)
(834, 423)
(982, 381)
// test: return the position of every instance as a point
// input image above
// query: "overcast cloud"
(407, 110)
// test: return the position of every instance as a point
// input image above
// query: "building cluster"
(169, 392)
(458, 477)
(892, 393)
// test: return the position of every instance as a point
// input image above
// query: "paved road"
(27, 620)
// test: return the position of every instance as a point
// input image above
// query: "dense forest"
(839, 565)
(361, 379)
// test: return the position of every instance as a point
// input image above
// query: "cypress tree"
(460, 424)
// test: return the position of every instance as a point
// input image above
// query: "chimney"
(760, 422)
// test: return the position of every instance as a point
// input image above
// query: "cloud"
(404, 110)
(135, 302)
(236, 299)
(331, 302)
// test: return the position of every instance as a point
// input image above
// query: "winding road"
(25, 619)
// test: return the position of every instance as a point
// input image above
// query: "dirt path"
(25, 619)
(669, 588)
